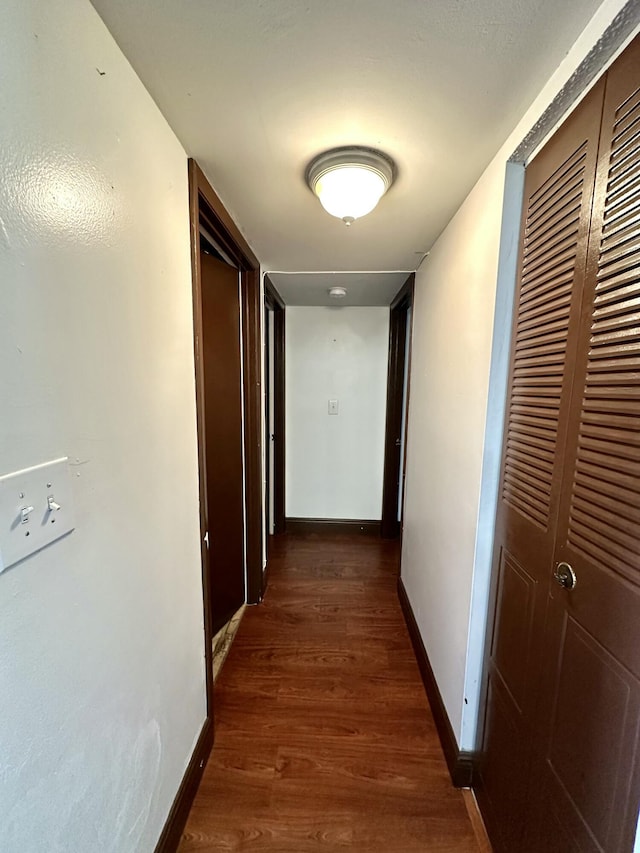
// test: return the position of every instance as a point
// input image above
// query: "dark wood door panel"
(513, 628)
(563, 684)
(594, 705)
(502, 786)
(558, 196)
(397, 404)
(589, 711)
(524, 760)
(589, 757)
(545, 831)
(224, 435)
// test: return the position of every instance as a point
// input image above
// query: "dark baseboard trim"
(460, 763)
(173, 828)
(331, 525)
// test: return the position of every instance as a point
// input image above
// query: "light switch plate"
(43, 496)
(333, 407)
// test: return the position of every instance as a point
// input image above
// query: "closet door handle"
(565, 576)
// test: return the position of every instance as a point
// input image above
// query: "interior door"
(397, 397)
(405, 413)
(560, 770)
(589, 715)
(268, 422)
(274, 323)
(223, 435)
(558, 196)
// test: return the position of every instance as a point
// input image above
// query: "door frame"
(206, 207)
(274, 302)
(399, 330)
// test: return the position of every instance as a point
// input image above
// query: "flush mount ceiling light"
(350, 181)
(338, 292)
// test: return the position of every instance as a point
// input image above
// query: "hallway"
(324, 737)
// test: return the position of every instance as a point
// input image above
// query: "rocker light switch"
(36, 508)
(333, 407)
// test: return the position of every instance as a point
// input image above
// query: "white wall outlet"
(333, 407)
(36, 508)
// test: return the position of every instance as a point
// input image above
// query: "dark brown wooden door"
(397, 402)
(268, 434)
(590, 711)
(274, 324)
(223, 435)
(560, 770)
(558, 196)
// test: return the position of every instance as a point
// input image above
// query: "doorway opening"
(274, 438)
(228, 343)
(397, 409)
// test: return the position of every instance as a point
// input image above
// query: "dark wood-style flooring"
(324, 737)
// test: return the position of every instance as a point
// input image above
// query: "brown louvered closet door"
(588, 774)
(558, 195)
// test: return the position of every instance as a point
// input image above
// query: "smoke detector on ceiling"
(338, 292)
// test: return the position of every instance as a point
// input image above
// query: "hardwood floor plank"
(324, 737)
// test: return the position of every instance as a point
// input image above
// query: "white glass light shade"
(350, 192)
(350, 181)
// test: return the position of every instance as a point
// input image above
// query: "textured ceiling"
(255, 88)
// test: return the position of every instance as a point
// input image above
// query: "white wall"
(334, 463)
(463, 292)
(451, 346)
(101, 637)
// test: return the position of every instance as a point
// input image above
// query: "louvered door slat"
(627, 529)
(623, 378)
(612, 448)
(548, 268)
(623, 229)
(557, 216)
(627, 112)
(530, 454)
(622, 488)
(625, 441)
(560, 255)
(595, 492)
(548, 287)
(541, 338)
(606, 462)
(554, 185)
(557, 239)
(603, 548)
(621, 262)
(546, 316)
(529, 437)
